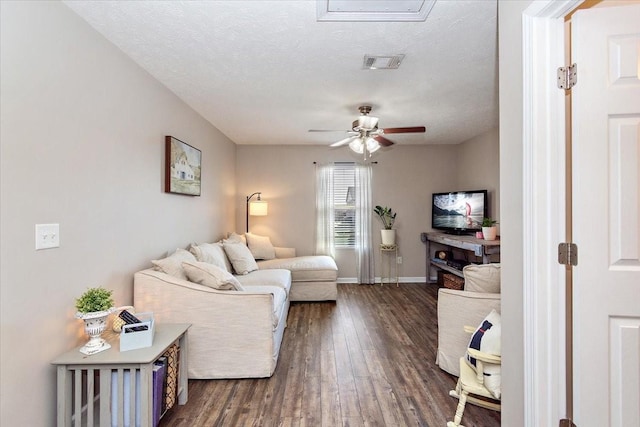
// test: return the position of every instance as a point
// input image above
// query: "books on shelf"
(126, 398)
(159, 374)
(159, 381)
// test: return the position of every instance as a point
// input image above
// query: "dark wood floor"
(366, 360)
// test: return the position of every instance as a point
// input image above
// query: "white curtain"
(324, 210)
(364, 246)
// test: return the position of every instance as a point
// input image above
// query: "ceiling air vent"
(382, 62)
(373, 10)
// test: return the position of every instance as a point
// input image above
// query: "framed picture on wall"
(183, 164)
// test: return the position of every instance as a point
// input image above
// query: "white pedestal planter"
(94, 325)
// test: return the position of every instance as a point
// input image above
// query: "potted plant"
(94, 306)
(489, 229)
(388, 217)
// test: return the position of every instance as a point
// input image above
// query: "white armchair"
(457, 309)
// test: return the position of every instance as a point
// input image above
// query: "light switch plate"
(47, 236)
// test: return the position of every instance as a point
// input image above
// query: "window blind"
(344, 201)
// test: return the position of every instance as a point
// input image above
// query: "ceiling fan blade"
(414, 129)
(384, 142)
(343, 141)
(329, 130)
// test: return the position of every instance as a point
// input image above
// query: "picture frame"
(183, 168)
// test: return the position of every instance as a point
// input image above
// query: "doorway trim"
(544, 211)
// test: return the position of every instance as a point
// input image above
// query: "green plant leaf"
(386, 215)
(488, 222)
(95, 299)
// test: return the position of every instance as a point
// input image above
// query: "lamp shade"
(258, 208)
(357, 146)
(372, 145)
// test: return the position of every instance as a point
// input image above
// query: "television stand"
(458, 232)
(479, 247)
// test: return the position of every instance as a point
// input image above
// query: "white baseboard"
(377, 280)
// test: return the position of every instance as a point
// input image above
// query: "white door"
(606, 216)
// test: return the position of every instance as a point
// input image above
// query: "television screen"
(460, 211)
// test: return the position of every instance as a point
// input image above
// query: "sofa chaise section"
(313, 278)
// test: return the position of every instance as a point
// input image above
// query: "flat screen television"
(459, 212)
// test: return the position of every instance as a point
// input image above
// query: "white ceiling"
(265, 72)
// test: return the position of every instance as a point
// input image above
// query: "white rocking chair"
(472, 383)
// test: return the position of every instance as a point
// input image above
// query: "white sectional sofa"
(234, 333)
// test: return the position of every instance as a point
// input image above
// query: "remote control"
(131, 319)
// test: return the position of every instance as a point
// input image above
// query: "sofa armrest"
(285, 252)
(456, 309)
(228, 328)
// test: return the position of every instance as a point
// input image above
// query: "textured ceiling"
(265, 72)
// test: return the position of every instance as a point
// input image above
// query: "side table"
(391, 252)
(80, 376)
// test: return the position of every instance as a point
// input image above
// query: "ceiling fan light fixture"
(372, 145)
(357, 146)
(367, 122)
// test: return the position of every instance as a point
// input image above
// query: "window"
(344, 204)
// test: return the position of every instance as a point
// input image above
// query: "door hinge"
(567, 76)
(566, 423)
(568, 254)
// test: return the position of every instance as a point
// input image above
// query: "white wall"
(82, 145)
(511, 185)
(479, 167)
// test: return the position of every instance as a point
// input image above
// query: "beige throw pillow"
(260, 246)
(172, 265)
(212, 276)
(235, 237)
(240, 257)
(213, 253)
(483, 278)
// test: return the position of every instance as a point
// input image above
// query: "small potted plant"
(388, 218)
(489, 229)
(94, 306)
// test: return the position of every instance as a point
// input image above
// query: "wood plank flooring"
(365, 360)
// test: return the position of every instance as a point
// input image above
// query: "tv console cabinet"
(481, 248)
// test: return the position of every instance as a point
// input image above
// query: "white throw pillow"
(172, 265)
(240, 257)
(211, 275)
(213, 253)
(486, 339)
(260, 246)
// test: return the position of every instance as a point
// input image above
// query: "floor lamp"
(256, 208)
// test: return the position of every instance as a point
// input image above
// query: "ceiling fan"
(365, 137)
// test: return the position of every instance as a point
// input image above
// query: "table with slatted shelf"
(86, 379)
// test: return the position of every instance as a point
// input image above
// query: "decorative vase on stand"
(94, 325)
(489, 233)
(388, 237)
